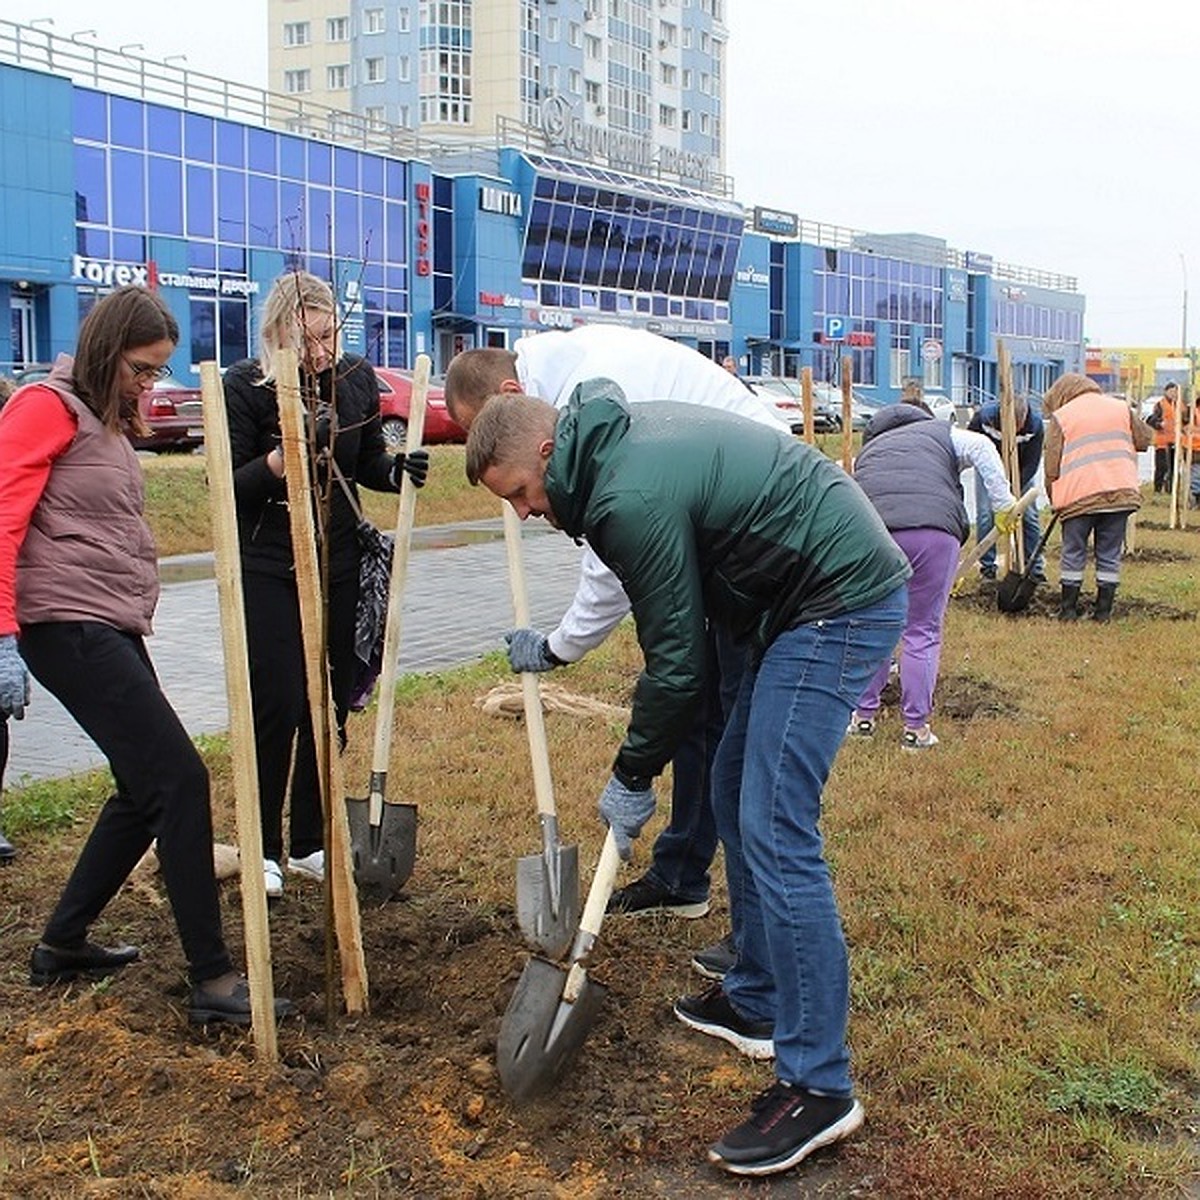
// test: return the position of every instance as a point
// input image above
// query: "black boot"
(1104, 601)
(1068, 609)
(7, 850)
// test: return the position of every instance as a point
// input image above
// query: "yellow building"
(1139, 372)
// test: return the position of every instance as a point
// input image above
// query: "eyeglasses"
(143, 371)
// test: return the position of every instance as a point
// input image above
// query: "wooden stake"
(242, 750)
(1008, 453)
(806, 393)
(338, 865)
(1173, 521)
(847, 413)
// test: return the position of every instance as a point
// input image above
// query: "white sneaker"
(311, 866)
(919, 739)
(273, 876)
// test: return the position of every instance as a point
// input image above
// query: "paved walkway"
(457, 606)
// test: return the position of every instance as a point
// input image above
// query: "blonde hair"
(291, 297)
(507, 431)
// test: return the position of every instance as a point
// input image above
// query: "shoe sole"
(714, 973)
(756, 1048)
(71, 974)
(840, 1129)
(690, 912)
(208, 1016)
(305, 873)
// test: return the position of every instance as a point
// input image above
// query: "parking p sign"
(835, 329)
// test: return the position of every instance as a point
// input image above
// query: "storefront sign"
(685, 164)
(752, 276)
(956, 287)
(980, 264)
(499, 200)
(106, 274)
(554, 318)
(208, 283)
(769, 220)
(421, 192)
(499, 300)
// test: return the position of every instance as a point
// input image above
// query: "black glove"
(415, 464)
(322, 419)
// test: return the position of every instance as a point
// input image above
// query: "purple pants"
(934, 558)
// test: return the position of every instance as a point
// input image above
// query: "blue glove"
(529, 650)
(14, 678)
(625, 812)
(415, 464)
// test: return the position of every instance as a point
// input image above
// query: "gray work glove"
(529, 650)
(625, 812)
(14, 678)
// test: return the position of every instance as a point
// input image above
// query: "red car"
(395, 393)
(174, 415)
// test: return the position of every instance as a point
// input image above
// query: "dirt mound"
(1045, 602)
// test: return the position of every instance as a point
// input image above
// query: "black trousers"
(1164, 461)
(105, 680)
(282, 722)
(3, 747)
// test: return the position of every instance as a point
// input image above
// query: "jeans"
(934, 558)
(104, 679)
(1031, 527)
(785, 729)
(684, 850)
(1107, 530)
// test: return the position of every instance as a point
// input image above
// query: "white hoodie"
(646, 367)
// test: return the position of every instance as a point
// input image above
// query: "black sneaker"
(715, 962)
(786, 1125)
(710, 1012)
(645, 896)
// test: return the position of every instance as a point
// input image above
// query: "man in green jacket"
(703, 514)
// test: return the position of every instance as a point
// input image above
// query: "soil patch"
(1157, 554)
(1045, 602)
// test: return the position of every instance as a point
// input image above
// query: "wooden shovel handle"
(535, 723)
(972, 556)
(400, 550)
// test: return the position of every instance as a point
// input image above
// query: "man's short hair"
(508, 429)
(473, 376)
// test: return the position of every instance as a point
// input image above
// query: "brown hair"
(123, 320)
(473, 376)
(508, 429)
(1065, 388)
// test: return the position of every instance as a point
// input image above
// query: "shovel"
(383, 835)
(553, 1008)
(547, 883)
(1016, 590)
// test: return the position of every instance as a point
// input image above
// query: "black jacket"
(263, 529)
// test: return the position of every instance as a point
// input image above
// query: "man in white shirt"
(550, 366)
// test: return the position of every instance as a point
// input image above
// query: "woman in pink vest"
(1091, 449)
(78, 588)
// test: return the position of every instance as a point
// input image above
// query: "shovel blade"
(540, 1032)
(1015, 592)
(545, 927)
(383, 854)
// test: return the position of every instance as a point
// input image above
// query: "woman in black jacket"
(341, 394)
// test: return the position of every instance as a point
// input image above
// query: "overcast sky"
(1057, 134)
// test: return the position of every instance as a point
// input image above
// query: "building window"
(374, 20)
(592, 46)
(337, 29)
(295, 82)
(404, 68)
(297, 33)
(592, 92)
(374, 70)
(404, 116)
(337, 78)
(687, 77)
(574, 34)
(668, 74)
(705, 84)
(552, 29)
(375, 116)
(574, 82)
(685, 120)
(666, 116)
(402, 19)
(703, 42)
(705, 123)
(687, 37)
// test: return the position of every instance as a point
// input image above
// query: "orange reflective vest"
(1166, 435)
(1098, 453)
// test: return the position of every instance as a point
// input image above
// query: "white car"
(941, 406)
